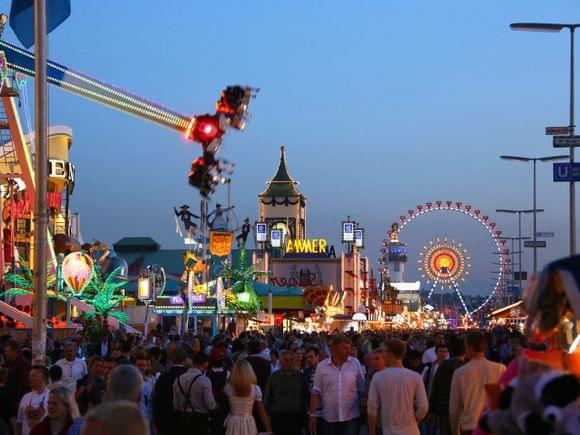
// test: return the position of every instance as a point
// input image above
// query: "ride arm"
(22, 61)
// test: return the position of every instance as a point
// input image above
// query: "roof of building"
(128, 244)
(262, 289)
(282, 184)
(505, 310)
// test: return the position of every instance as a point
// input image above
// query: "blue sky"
(382, 105)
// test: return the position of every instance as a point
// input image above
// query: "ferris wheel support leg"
(432, 289)
(456, 288)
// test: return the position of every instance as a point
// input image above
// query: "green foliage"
(243, 275)
(23, 283)
(104, 295)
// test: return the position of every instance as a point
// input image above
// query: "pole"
(535, 222)
(146, 321)
(520, 250)
(204, 280)
(190, 275)
(572, 185)
(41, 169)
(229, 181)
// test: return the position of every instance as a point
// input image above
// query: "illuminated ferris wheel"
(445, 264)
(455, 248)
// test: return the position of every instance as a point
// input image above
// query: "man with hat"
(219, 221)
(185, 215)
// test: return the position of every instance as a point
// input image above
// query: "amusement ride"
(18, 182)
(449, 242)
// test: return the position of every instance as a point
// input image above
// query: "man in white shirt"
(339, 382)
(430, 355)
(468, 397)
(399, 393)
(32, 408)
(143, 364)
(73, 368)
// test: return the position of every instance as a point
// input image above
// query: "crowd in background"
(396, 382)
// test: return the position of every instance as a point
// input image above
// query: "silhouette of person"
(185, 215)
(246, 228)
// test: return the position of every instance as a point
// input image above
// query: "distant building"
(281, 205)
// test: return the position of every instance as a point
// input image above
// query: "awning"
(16, 314)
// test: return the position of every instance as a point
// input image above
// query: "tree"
(104, 295)
(242, 296)
(23, 284)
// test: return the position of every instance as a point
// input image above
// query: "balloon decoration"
(77, 270)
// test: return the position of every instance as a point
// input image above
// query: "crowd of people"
(292, 383)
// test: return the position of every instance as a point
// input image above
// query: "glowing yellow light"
(444, 261)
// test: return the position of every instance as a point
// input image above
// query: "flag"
(22, 18)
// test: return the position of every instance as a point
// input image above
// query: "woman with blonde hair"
(61, 411)
(243, 393)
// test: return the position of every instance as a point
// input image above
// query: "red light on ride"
(204, 129)
(207, 129)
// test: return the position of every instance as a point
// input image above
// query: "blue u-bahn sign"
(566, 171)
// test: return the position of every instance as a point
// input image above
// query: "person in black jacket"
(17, 379)
(261, 366)
(218, 374)
(262, 369)
(441, 390)
(164, 416)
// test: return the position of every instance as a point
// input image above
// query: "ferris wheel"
(454, 247)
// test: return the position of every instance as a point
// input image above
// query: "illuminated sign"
(307, 246)
(276, 238)
(144, 289)
(77, 271)
(261, 232)
(61, 169)
(359, 238)
(220, 243)
(306, 273)
(348, 232)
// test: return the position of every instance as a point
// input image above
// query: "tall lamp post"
(551, 27)
(534, 209)
(519, 238)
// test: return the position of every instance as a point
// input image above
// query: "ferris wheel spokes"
(460, 296)
(433, 288)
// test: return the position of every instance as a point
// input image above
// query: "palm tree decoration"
(23, 284)
(241, 295)
(104, 295)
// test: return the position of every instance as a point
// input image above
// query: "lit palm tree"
(104, 295)
(242, 295)
(23, 284)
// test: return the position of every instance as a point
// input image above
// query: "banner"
(347, 232)
(220, 243)
(261, 232)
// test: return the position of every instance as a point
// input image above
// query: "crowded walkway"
(398, 382)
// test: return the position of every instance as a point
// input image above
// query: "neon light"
(77, 271)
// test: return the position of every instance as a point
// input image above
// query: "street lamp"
(145, 295)
(534, 209)
(519, 238)
(557, 27)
